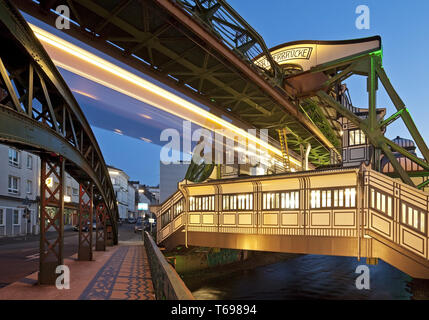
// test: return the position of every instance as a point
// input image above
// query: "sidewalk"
(120, 273)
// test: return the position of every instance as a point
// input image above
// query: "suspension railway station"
(336, 184)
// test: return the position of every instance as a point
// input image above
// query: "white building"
(132, 210)
(20, 190)
(120, 185)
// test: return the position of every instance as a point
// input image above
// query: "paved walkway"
(120, 273)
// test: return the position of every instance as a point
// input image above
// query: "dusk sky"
(402, 25)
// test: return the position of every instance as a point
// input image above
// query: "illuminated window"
(356, 137)
(381, 202)
(165, 218)
(280, 200)
(178, 208)
(201, 203)
(413, 217)
(237, 202)
(337, 198)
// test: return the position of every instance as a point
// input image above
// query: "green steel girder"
(48, 118)
(372, 127)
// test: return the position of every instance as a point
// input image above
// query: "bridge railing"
(167, 283)
(386, 207)
(397, 212)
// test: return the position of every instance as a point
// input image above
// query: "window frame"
(332, 191)
(18, 157)
(354, 138)
(9, 189)
(419, 212)
(201, 203)
(14, 210)
(3, 216)
(182, 201)
(30, 157)
(280, 192)
(29, 183)
(165, 213)
(387, 196)
(236, 209)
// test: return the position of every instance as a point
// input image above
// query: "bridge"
(206, 51)
(344, 212)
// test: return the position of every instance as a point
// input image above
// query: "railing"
(399, 214)
(167, 283)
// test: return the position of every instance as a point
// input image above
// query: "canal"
(307, 277)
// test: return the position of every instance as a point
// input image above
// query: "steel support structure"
(370, 65)
(39, 114)
(85, 222)
(109, 232)
(205, 50)
(52, 179)
(100, 231)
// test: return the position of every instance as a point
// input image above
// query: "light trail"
(67, 56)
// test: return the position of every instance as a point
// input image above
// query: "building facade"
(132, 210)
(20, 193)
(120, 184)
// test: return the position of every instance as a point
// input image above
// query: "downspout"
(307, 153)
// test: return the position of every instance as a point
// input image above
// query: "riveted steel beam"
(58, 126)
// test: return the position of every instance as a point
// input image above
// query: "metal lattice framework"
(100, 234)
(51, 217)
(206, 50)
(201, 48)
(370, 66)
(38, 112)
(85, 221)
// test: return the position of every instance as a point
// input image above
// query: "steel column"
(100, 233)
(85, 222)
(109, 232)
(51, 217)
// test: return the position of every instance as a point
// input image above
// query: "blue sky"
(403, 26)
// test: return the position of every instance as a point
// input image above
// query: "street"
(20, 257)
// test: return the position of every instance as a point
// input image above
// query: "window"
(15, 216)
(1, 216)
(413, 217)
(75, 191)
(201, 203)
(333, 198)
(29, 162)
(356, 137)
(280, 200)
(29, 186)
(178, 208)
(13, 185)
(165, 218)
(68, 191)
(237, 202)
(13, 157)
(381, 202)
